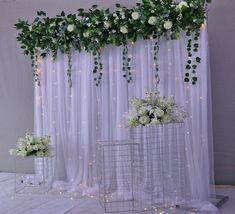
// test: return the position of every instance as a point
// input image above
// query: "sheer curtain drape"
(79, 116)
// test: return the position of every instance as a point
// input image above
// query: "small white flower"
(124, 29)
(122, 13)
(71, 28)
(97, 22)
(168, 25)
(107, 24)
(135, 15)
(182, 4)
(123, 17)
(30, 28)
(113, 31)
(114, 15)
(88, 24)
(86, 34)
(152, 20)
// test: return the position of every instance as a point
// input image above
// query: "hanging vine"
(126, 64)
(69, 69)
(35, 69)
(98, 66)
(155, 59)
(193, 59)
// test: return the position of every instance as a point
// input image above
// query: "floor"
(54, 203)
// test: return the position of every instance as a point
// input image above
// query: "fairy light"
(203, 26)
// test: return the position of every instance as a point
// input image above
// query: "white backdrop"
(76, 117)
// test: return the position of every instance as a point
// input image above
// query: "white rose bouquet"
(153, 110)
(33, 146)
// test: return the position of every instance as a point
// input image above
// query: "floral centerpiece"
(153, 110)
(33, 146)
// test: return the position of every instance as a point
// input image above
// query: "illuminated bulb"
(169, 50)
(203, 26)
(201, 98)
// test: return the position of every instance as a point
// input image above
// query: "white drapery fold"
(79, 116)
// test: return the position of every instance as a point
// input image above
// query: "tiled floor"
(52, 203)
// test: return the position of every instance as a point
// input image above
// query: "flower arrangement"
(33, 146)
(153, 110)
(95, 28)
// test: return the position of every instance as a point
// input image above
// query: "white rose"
(86, 34)
(155, 121)
(107, 24)
(135, 15)
(71, 28)
(182, 4)
(124, 29)
(152, 20)
(30, 28)
(168, 25)
(144, 120)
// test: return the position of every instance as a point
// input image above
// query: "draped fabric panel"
(79, 116)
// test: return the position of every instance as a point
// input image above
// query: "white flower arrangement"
(153, 110)
(33, 146)
(168, 25)
(71, 28)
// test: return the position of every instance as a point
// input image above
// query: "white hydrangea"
(152, 20)
(132, 122)
(124, 29)
(71, 28)
(144, 120)
(168, 25)
(135, 15)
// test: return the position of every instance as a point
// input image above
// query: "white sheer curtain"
(79, 116)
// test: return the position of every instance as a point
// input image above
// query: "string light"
(203, 26)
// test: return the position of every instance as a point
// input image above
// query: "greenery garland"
(93, 29)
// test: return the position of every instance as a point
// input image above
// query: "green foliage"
(95, 28)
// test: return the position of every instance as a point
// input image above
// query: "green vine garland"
(93, 29)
